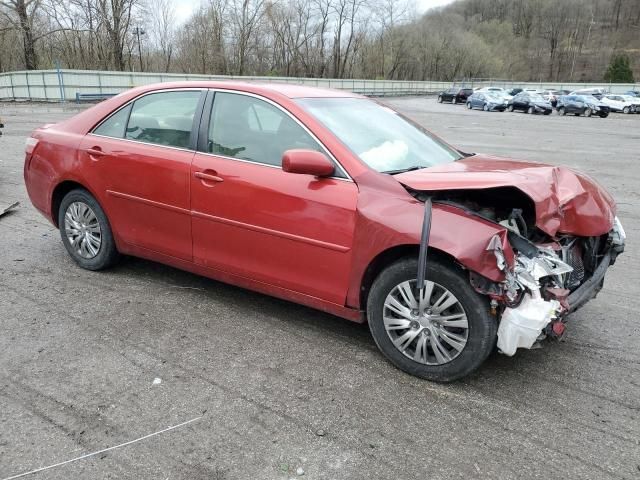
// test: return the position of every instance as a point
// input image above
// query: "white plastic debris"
(157, 381)
(300, 471)
(521, 326)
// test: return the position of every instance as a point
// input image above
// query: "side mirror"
(307, 162)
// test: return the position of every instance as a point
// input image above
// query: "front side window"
(164, 118)
(379, 135)
(248, 128)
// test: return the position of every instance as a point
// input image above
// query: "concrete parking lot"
(277, 391)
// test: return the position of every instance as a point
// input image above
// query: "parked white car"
(596, 92)
(622, 103)
(496, 91)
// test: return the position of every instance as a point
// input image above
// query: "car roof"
(289, 90)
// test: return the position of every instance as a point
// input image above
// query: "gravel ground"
(278, 390)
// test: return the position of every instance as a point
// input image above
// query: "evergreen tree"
(619, 70)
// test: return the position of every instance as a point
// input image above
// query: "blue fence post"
(26, 76)
(13, 92)
(60, 81)
(44, 86)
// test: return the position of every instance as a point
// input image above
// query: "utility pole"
(137, 32)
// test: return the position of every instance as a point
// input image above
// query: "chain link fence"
(65, 85)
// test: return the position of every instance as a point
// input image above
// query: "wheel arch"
(59, 192)
(391, 255)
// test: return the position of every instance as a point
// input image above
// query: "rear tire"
(485, 107)
(86, 232)
(424, 334)
(626, 110)
(588, 112)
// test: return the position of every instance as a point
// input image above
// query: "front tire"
(562, 111)
(439, 98)
(626, 110)
(447, 337)
(510, 108)
(485, 107)
(531, 110)
(588, 112)
(455, 100)
(86, 232)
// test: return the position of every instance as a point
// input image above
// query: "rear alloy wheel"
(85, 231)
(442, 334)
(439, 98)
(626, 110)
(588, 112)
(531, 110)
(510, 108)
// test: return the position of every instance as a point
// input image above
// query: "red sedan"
(331, 200)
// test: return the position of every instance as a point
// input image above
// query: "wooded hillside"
(526, 40)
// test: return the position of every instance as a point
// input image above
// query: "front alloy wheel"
(442, 333)
(431, 329)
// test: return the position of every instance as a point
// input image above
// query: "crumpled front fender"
(391, 219)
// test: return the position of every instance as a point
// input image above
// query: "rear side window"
(164, 118)
(248, 128)
(114, 125)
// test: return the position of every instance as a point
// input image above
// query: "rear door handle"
(208, 176)
(95, 151)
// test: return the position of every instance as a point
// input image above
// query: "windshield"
(378, 135)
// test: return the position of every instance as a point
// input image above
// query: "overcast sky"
(185, 7)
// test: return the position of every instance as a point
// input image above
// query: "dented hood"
(565, 201)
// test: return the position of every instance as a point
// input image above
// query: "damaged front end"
(546, 277)
(545, 282)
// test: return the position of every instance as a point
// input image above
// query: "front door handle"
(208, 176)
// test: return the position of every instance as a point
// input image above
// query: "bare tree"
(114, 16)
(248, 14)
(21, 15)
(161, 15)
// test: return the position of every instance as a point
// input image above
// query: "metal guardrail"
(64, 85)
